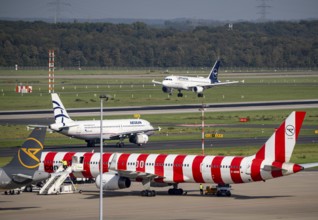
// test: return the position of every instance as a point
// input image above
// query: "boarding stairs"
(54, 184)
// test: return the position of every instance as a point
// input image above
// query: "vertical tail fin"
(279, 147)
(213, 76)
(60, 113)
(28, 157)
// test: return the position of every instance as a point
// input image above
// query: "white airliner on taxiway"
(137, 130)
(195, 84)
(158, 170)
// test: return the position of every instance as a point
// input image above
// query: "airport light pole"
(202, 109)
(102, 98)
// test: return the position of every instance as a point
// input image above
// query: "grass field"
(79, 92)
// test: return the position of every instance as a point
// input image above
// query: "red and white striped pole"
(202, 118)
(51, 71)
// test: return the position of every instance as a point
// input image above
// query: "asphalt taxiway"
(291, 197)
(6, 116)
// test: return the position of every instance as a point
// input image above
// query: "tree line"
(271, 44)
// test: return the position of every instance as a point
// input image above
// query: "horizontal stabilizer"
(309, 165)
(36, 126)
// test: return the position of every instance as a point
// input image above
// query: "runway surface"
(165, 109)
(162, 145)
(291, 197)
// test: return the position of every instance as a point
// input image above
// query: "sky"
(222, 10)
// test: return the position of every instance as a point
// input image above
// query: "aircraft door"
(77, 163)
(248, 169)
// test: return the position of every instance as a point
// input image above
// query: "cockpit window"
(168, 79)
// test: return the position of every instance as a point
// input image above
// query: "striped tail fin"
(60, 113)
(279, 147)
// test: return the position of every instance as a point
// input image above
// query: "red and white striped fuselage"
(271, 161)
(176, 168)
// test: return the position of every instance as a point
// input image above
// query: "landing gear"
(180, 94)
(90, 143)
(120, 144)
(28, 188)
(148, 193)
(175, 190)
(200, 95)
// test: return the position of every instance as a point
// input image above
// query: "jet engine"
(139, 139)
(39, 176)
(166, 89)
(113, 181)
(198, 89)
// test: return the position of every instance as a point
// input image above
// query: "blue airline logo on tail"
(214, 72)
(56, 116)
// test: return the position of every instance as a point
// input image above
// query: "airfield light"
(102, 98)
(202, 109)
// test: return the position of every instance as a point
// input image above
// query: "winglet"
(113, 162)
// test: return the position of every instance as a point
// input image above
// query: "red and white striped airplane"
(157, 170)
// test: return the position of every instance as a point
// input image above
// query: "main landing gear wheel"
(200, 95)
(148, 193)
(174, 191)
(90, 143)
(180, 94)
(120, 144)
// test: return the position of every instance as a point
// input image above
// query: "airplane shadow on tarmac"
(244, 197)
(109, 194)
(18, 208)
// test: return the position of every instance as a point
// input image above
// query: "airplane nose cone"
(297, 168)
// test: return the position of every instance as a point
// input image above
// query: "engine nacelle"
(198, 89)
(139, 139)
(166, 89)
(39, 176)
(113, 181)
(56, 127)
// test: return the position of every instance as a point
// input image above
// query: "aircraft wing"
(131, 174)
(210, 85)
(156, 82)
(21, 177)
(49, 128)
(118, 135)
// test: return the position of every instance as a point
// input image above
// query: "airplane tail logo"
(60, 113)
(213, 76)
(28, 156)
(279, 147)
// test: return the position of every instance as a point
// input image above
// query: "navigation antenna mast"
(58, 6)
(51, 71)
(263, 7)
